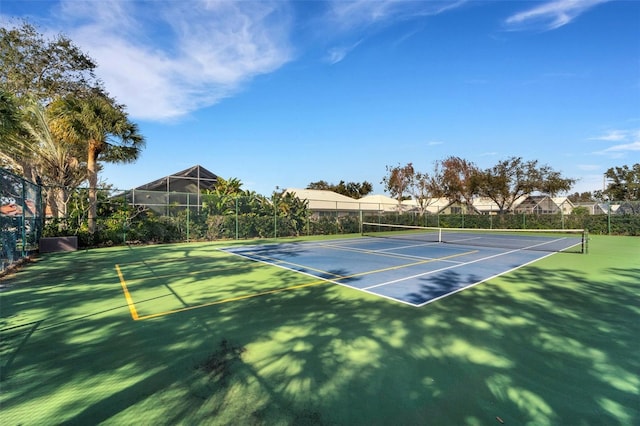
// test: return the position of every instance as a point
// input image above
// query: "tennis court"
(413, 265)
(309, 331)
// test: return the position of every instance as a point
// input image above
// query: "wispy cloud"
(337, 54)
(588, 167)
(551, 15)
(366, 16)
(208, 49)
(358, 13)
(612, 135)
(633, 146)
(626, 141)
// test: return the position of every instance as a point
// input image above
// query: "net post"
(585, 241)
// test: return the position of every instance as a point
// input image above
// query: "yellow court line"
(407, 265)
(135, 316)
(391, 268)
(127, 296)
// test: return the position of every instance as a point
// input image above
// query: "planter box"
(53, 244)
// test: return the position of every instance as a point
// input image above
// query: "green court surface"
(190, 334)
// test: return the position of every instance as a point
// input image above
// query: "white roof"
(487, 204)
(379, 203)
(381, 199)
(319, 195)
(561, 200)
(320, 199)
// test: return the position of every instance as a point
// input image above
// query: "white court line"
(368, 289)
(456, 266)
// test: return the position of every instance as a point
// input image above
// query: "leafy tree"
(580, 211)
(458, 179)
(321, 185)
(9, 115)
(250, 202)
(582, 197)
(399, 180)
(427, 188)
(514, 178)
(40, 68)
(100, 127)
(10, 126)
(624, 183)
(350, 189)
(295, 209)
(221, 200)
(56, 160)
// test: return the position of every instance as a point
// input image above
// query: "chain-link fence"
(21, 218)
(141, 216)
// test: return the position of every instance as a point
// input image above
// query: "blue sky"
(287, 93)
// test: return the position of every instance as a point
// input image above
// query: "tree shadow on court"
(440, 284)
(537, 346)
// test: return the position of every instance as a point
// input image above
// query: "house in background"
(440, 206)
(381, 203)
(484, 205)
(323, 203)
(543, 204)
(593, 207)
(182, 189)
(628, 207)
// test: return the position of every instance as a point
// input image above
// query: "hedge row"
(151, 228)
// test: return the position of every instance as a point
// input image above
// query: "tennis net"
(552, 240)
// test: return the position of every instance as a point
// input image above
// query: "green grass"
(555, 342)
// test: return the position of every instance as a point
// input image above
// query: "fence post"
(124, 222)
(188, 213)
(24, 218)
(275, 215)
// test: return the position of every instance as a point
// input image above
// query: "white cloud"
(165, 59)
(633, 146)
(345, 17)
(612, 136)
(626, 142)
(589, 167)
(337, 54)
(208, 51)
(551, 15)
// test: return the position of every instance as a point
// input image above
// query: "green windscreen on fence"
(20, 217)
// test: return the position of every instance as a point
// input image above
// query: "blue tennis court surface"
(411, 272)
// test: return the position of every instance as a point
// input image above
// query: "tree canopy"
(350, 189)
(460, 180)
(34, 66)
(399, 180)
(624, 183)
(57, 119)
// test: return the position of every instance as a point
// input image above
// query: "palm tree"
(55, 161)
(31, 147)
(10, 126)
(9, 114)
(103, 128)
